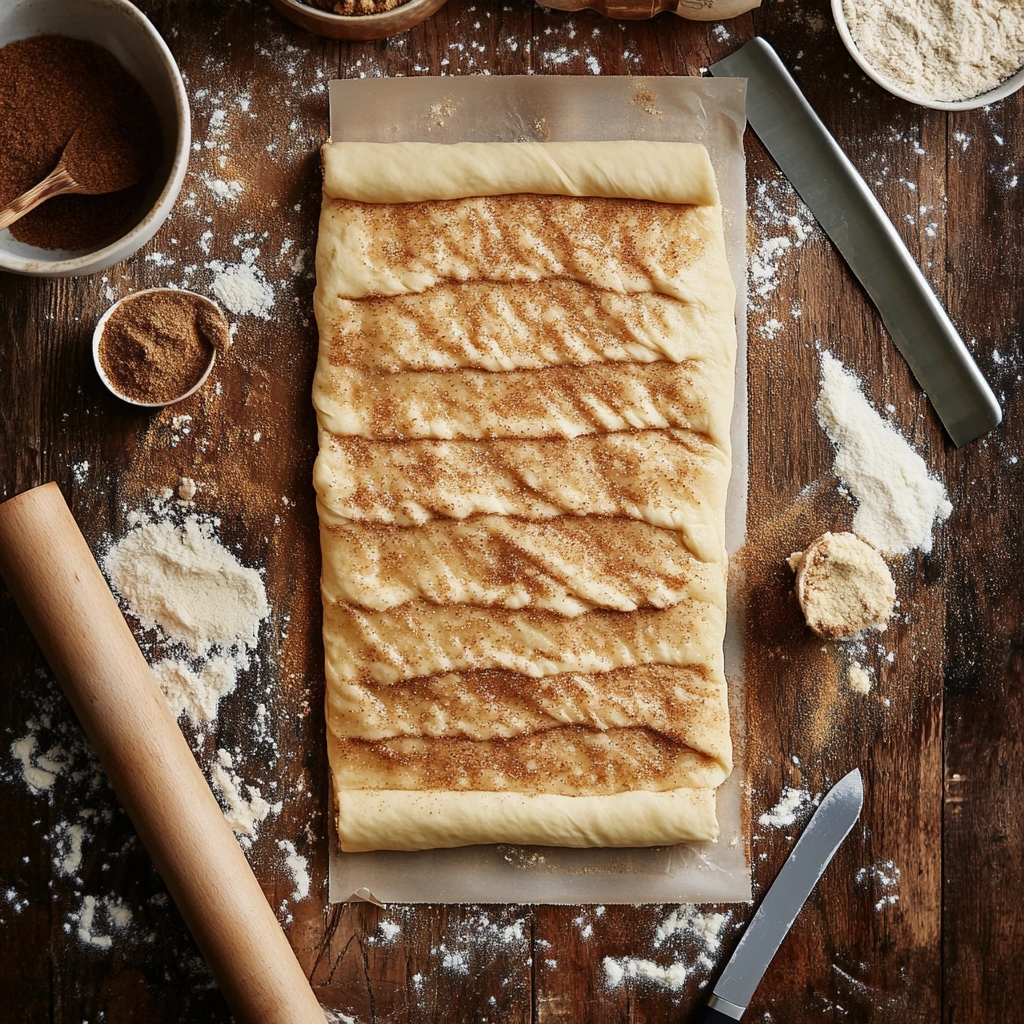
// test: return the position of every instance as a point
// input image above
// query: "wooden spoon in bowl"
(97, 159)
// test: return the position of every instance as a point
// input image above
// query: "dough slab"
(524, 392)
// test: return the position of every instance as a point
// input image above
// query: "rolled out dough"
(523, 393)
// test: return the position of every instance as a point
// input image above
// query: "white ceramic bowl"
(119, 27)
(1001, 91)
(98, 333)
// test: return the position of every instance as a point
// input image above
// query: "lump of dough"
(843, 586)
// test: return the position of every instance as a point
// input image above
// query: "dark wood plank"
(983, 927)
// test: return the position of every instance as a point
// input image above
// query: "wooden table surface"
(918, 918)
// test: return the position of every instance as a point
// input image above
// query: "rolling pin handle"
(55, 581)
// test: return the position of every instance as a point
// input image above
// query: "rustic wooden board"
(939, 737)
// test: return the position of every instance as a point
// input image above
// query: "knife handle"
(709, 1015)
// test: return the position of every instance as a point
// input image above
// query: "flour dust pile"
(698, 933)
(898, 501)
(181, 581)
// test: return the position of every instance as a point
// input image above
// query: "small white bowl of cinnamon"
(156, 347)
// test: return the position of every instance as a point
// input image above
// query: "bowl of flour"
(945, 54)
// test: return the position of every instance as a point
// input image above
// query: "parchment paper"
(543, 109)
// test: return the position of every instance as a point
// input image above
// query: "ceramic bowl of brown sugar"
(115, 52)
(155, 347)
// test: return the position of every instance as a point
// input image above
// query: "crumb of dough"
(843, 585)
(858, 678)
(186, 488)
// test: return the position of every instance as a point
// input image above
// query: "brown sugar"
(101, 158)
(51, 86)
(355, 7)
(157, 345)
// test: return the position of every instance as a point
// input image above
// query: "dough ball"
(843, 586)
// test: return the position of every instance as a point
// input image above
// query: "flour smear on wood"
(898, 501)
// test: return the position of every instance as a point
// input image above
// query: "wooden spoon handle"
(57, 183)
(56, 583)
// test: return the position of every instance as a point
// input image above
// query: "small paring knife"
(852, 217)
(824, 834)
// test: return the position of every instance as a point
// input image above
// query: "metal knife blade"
(824, 834)
(852, 217)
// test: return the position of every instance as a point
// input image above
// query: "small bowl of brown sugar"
(158, 346)
(357, 19)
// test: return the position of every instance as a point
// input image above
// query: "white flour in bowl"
(944, 50)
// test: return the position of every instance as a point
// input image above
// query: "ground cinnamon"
(156, 346)
(49, 87)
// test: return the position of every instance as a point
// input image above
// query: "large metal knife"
(846, 208)
(824, 834)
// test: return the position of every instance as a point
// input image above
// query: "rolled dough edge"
(408, 172)
(430, 819)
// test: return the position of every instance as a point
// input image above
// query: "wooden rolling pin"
(60, 590)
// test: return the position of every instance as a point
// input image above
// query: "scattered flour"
(116, 913)
(244, 814)
(883, 877)
(40, 770)
(616, 971)
(224, 191)
(455, 962)
(687, 919)
(764, 265)
(186, 488)
(897, 500)
(85, 923)
(298, 866)
(196, 693)
(791, 806)
(389, 929)
(858, 678)
(70, 859)
(242, 288)
(14, 901)
(185, 583)
(781, 232)
(687, 922)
